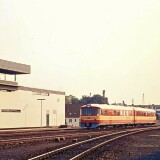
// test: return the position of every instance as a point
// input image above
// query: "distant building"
(72, 114)
(25, 106)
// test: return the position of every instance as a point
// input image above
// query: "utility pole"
(132, 102)
(143, 102)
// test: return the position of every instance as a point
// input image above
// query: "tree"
(75, 100)
(85, 100)
(97, 99)
(71, 100)
(68, 99)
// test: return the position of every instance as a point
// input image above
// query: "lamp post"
(41, 109)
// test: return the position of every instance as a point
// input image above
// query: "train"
(103, 115)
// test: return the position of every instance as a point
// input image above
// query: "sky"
(86, 46)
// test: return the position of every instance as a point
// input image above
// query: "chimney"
(123, 103)
(104, 93)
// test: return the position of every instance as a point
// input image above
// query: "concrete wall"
(30, 109)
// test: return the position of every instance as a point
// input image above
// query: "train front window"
(90, 111)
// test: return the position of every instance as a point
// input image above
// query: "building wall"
(72, 122)
(22, 109)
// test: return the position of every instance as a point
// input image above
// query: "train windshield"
(90, 111)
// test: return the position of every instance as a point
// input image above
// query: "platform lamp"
(41, 108)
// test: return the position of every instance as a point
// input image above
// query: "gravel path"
(144, 146)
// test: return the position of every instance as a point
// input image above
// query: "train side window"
(121, 113)
(118, 113)
(106, 112)
(126, 113)
(129, 113)
(110, 112)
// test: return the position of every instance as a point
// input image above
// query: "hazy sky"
(86, 46)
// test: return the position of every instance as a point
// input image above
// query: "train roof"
(118, 107)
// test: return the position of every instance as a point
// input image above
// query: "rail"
(90, 149)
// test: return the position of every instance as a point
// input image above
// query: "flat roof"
(8, 83)
(8, 67)
(38, 91)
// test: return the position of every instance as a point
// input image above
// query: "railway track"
(84, 148)
(47, 138)
(33, 137)
(6, 135)
(51, 136)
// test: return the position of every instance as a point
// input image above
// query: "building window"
(70, 120)
(75, 120)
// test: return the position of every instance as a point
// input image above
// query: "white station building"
(22, 107)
